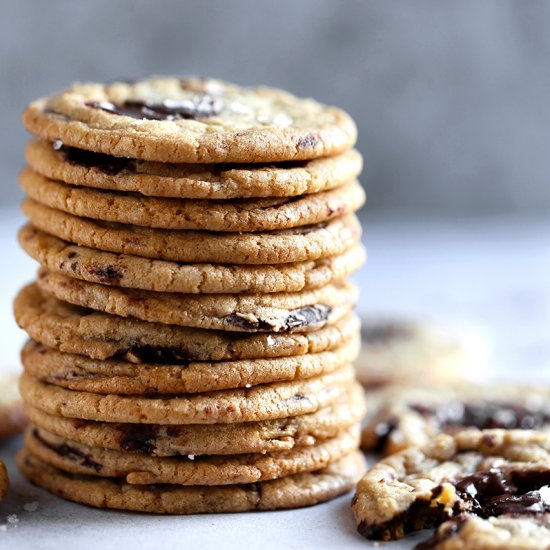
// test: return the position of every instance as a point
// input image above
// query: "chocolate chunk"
(106, 163)
(452, 528)
(69, 452)
(300, 317)
(139, 437)
(310, 140)
(108, 274)
(484, 415)
(144, 353)
(201, 106)
(383, 431)
(480, 487)
(533, 502)
(528, 480)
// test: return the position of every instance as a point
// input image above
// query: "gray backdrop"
(452, 99)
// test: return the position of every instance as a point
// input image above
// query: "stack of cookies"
(192, 329)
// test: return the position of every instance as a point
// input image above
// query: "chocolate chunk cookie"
(263, 402)
(130, 271)
(191, 181)
(405, 417)
(191, 120)
(210, 439)
(508, 532)
(300, 244)
(247, 215)
(139, 468)
(81, 373)
(73, 329)
(488, 473)
(282, 312)
(287, 492)
(402, 351)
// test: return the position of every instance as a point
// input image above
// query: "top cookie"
(191, 120)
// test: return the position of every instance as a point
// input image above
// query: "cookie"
(142, 469)
(81, 373)
(282, 312)
(264, 402)
(506, 532)
(191, 120)
(272, 247)
(12, 417)
(402, 351)
(4, 481)
(129, 271)
(73, 329)
(210, 439)
(191, 181)
(405, 417)
(288, 492)
(488, 473)
(247, 215)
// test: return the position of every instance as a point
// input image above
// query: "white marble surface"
(489, 275)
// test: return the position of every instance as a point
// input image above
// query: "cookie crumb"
(13, 519)
(31, 506)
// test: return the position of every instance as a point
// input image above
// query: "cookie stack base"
(288, 492)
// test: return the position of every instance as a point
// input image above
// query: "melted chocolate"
(108, 274)
(144, 353)
(69, 452)
(451, 528)
(199, 107)
(139, 438)
(106, 163)
(300, 317)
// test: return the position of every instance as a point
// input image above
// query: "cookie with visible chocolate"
(246, 215)
(142, 469)
(281, 312)
(191, 120)
(73, 329)
(489, 473)
(263, 402)
(12, 416)
(288, 492)
(210, 439)
(191, 181)
(508, 532)
(402, 351)
(130, 271)
(80, 373)
(402, 417)
(4, 481)
(300, 244)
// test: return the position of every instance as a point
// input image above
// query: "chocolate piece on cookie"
(282, 312)
(191, 120)
(402, 417)
(192, 181)
(488, 473)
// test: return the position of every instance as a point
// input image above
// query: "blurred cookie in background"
(401, 417)
(401, 350)
(12, 417)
